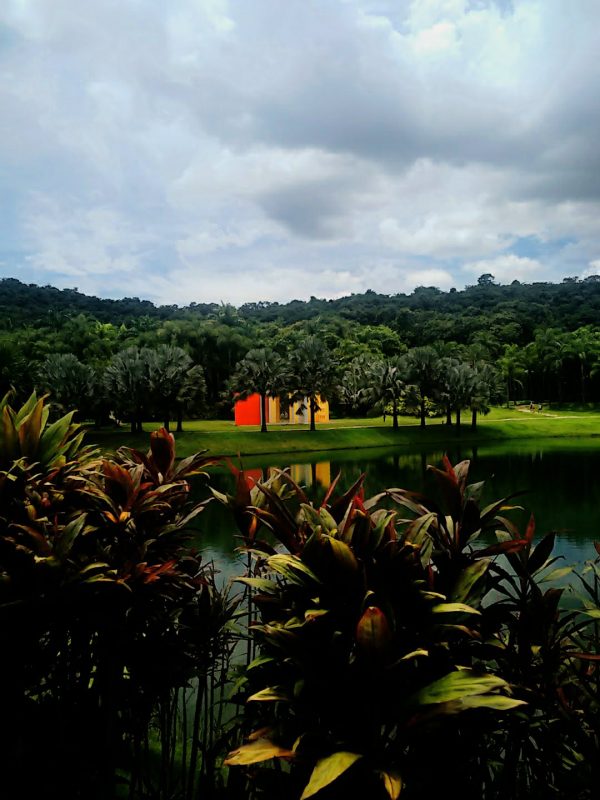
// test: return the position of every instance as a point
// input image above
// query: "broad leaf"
(457, 686)
(328, 770)
(257, 750)
(392, 783)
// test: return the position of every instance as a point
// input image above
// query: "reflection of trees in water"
(561, 487)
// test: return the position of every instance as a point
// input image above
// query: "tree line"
(421, 382)
(545, 351)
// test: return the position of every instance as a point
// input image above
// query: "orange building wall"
(247, 412)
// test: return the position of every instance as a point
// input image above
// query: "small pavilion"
(247, 412)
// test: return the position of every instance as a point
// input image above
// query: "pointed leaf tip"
(329, 770)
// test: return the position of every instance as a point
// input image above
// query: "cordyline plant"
(385, 665)
(104, 610)
(361, 656)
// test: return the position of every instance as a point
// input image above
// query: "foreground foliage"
(105, 612)
(397, 655)
(398, 645)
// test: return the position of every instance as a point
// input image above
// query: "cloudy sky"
(239, 150)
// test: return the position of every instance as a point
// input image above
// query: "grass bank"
(223, 438)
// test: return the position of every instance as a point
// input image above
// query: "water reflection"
(561, 485)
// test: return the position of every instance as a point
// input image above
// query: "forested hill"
(543, 337)
(510, 314)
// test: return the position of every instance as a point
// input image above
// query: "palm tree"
(70, 383)
(511, 366)
(584, 345)
(312, 374)
(169, 370)
(262, 372)
(422, 365)
(191, 395)
(445, 385)
(387, 385)
(353, 388)
(460, 381)
(486, 389)
(128, 384)
(551, 348)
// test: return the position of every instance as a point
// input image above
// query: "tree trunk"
(179, 421)
(166, 422)
(395, 416)
(423, 412)
(133, 425)
(263, 413)
(312, 414)
(457, 419)
(448, 415)
(473, 420)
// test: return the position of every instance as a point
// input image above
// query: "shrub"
(105, 612)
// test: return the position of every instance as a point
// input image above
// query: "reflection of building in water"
(309, 474)
(247, 412)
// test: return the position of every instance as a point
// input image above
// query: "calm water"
(562, 485)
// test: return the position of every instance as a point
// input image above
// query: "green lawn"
(223, 438)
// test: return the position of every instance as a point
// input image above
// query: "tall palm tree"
(511, 366)
(191, 395)
(460, 381)
(262, 372)
(422, 365)
(445, 385)
(169, 369)
(127, 382)
(70, 383)
(387, 385)
(486, 389)
(353, 389)
(584, 345)
(312, 374)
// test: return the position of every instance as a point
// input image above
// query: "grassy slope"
(224, 438)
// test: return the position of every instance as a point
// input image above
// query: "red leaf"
(529, 533)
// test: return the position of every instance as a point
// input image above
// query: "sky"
(244, 150)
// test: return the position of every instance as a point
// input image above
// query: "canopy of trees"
(542, 338)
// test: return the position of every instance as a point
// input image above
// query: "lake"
(560, 478)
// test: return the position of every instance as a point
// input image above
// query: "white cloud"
(347, 142)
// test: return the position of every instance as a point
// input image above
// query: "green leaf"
(53, 437)
(269, 695)
(258, 750)
(259, 661)
(467, 580)
(292, 568)
(415, 654)
(497, 702)
(264, 585)
(9, 436)
(556, 574)
(26, 409)
(594, 613)
(457, 686)
(329, 770)
(69, 533)
(454, 608)
(30, 429)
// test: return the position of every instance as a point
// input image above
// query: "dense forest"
(542, 339)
